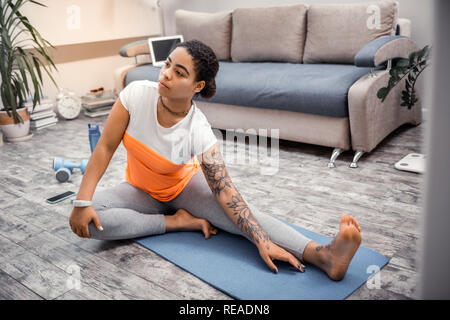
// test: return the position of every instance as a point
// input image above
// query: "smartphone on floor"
(60, 197)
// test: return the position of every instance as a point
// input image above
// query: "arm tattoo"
(220, 182)
(215, 172)
(245, 219)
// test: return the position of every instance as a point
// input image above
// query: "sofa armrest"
(384, 48)
(135, 48)
(371, 120)
(120, 75)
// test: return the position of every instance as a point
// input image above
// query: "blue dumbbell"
(64, 168)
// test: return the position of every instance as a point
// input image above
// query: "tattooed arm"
(228, 197)
(237, 210)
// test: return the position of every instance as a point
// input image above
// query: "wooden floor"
(40, 257)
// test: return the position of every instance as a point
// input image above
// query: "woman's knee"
(108, 224)
(94, 232)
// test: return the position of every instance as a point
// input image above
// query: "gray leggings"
(127, 212)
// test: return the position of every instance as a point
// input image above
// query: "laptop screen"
(162, 48)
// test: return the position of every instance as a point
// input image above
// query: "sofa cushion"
(310, 88)
(336, 32)
(213, 29)
(269, 34)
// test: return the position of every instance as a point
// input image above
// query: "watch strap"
(81, 203)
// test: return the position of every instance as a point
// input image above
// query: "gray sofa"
(310, 71)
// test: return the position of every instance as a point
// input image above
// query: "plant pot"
(15, 132)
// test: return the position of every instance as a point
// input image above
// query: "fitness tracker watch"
(81, 203)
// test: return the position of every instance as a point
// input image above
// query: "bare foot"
(187, 222)
(336, 255)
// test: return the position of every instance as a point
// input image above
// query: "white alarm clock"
(68, 104)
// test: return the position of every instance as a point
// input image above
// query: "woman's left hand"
(270, 251)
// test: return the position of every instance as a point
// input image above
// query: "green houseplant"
(17, 63)
(410, 67)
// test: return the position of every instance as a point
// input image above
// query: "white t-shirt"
(189, 137)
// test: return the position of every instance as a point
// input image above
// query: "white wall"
(64, 22)
(83, 75)
(87, 40)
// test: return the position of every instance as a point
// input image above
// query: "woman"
(168, 141)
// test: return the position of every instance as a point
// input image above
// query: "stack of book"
(96, 105)
(43, 115)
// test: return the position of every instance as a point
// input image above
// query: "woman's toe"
(355, 223)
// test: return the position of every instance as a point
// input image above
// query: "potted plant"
(411, 67)
(16, 64)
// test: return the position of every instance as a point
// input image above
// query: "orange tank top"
(151, 172)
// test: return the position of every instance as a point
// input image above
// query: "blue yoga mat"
(233, 265)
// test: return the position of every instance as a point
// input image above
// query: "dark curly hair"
(206, 65)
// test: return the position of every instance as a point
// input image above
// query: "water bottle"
(94, 135)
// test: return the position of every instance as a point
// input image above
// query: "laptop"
(160, 48)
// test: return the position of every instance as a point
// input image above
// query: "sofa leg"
(334, 155)
(358, 155)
